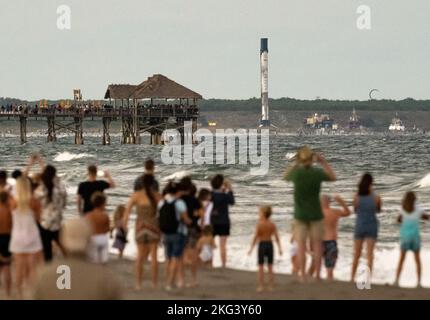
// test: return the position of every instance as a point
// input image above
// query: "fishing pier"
(151, 107)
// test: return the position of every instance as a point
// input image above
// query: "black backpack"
(167, 218)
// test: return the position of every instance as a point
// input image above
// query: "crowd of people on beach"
(36, 240)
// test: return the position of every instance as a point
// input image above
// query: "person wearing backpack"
(173, 220)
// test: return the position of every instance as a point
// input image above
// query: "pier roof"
(120, 91)
(159, 86)
(156, 87)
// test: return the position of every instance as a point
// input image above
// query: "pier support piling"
(106, 129)
(79, 131)
(52, 137)
(23, 129)
(128, 132)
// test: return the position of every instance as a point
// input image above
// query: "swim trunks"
(265, 252)
(330, 253)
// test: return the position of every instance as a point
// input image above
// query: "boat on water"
(322, 121)
(354, 122)
(319, 124)
(397, 125)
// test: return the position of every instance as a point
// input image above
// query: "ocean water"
(398, 163)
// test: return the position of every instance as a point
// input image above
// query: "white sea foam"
(424, 182)
(68, 156)
(290, 155)
(177, 175)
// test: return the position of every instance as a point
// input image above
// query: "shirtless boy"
(331, 219)
(264, 233)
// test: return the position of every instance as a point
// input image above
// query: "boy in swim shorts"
(331, 219)
(264, 233)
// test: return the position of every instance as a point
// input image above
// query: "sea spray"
(67, 156)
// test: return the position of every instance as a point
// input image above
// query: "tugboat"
(396, 125)
(319, 124)
(354, 124)
(354, 121)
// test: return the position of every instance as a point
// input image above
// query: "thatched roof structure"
(120, 91)
(161, 87)
(155, 87)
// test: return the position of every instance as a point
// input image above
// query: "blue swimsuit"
(366, 225)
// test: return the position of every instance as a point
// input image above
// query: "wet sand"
(228, 284)
(232, 285)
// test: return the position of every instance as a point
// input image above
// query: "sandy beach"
(231, 284)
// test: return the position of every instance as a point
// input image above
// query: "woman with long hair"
(366, 204)
(52, 196)
(147, 232)
(25, 243)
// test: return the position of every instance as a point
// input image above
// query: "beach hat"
(305, 155)
(76, 234)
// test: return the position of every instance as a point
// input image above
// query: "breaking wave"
(67, 156)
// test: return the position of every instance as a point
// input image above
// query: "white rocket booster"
(264, 67)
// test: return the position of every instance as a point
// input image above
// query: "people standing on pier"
(25, 243)
(308, 215)
(173, 221)
(92, 185)
(222, 199)
(6, 203)
(265, 232)
(149, 170)
(52, 195)
(147, 231)
(331, 219)
(366, 204)
(410, 239)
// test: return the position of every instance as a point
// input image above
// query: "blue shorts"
(365, 231)
(410, 244)
(174, 245)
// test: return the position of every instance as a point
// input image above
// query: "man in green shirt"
(308, 215)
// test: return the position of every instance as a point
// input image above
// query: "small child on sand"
(206, 245)
(205, 197)
(264, 233)
(293, 256)
(120, 239)
(331, 221)
(410, 239)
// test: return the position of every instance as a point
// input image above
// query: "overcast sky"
(212, 47)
